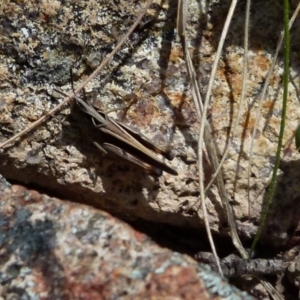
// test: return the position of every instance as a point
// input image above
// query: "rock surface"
(39, 42)
(54, 249)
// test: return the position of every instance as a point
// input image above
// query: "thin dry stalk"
(243, 93)
(220, 182)
(181, 23)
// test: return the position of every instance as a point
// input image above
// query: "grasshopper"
(126, 142)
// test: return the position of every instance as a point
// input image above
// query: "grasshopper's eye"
(297, 138)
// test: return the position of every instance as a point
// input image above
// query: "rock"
(38, 46)
(55, 249)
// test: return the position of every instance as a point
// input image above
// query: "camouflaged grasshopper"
(125, 142)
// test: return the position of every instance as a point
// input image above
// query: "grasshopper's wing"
(145, 141)
(90, 110)
(121, 134)
(125, 155)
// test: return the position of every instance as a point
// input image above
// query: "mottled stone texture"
(54, 249)
(41, 40)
